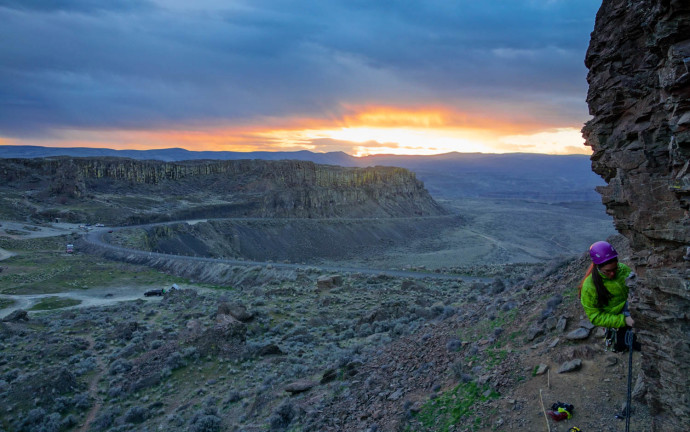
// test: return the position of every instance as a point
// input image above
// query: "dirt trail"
(93, 390)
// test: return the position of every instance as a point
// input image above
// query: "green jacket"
(611, 314)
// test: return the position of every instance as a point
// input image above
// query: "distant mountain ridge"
(450, 175)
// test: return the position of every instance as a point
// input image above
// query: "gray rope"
(629, 342)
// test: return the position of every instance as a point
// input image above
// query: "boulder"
(236, 310)
(577, 334)
(410, 285)
(551, 323)
(300, 386)
(541, 369)
(330, 281)
(570, 366)
(329, 375)
(562, 324)
(585, 323)
(534, 331)
(639, 390)
(270, 349)
(16, 316)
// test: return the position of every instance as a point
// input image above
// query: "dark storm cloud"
(131, 64)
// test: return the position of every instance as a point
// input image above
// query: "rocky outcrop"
(148, 191)
(639, 95)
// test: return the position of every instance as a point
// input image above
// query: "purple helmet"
(602, 251)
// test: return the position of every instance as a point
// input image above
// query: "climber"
(604, 294)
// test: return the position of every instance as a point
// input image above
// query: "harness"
(610, 339)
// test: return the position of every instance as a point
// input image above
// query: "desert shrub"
(554, 301)
(453, 345)
(381, 326)
(210, 402)
(37, 420)
(209, 423)
(191, 353)
(298, 370)
(466, 378)
(115, 392)
(63, 403)
(82, 401)
(32, 419)
(100, 345)
(364, 330)
(282, 416)
(457, 369)
(234, 396)
(174, 420)
(205, 420)
(129, 350)
(498, 286)
(436, 309)
(106, 419)
(508, 306)
(399, 329)
(156, 344)
(69, 422)
(421, 312)
(136, 414)
(85, 366)
(11, 375)
(175, 361)
(448, 311)
(119, 366)
(165, 372)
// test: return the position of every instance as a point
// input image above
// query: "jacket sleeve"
(598, 316)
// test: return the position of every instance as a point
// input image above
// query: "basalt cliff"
(126, 191)
(639, 97)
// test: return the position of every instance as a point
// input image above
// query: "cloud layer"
(145, 65)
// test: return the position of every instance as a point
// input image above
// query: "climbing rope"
(629, 342)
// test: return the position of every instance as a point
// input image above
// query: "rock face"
(222, 188)
(639, 95)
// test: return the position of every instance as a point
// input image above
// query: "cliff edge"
(639, 96)
(127, 191)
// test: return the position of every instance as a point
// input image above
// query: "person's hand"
(629, 321)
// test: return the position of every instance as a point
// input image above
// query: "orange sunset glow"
(362, 131)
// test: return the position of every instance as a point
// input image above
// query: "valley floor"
(314, 351)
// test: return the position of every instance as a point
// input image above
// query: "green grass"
(40, 266)
(5, 303)
(495, 357)
(451, 408)
(570, 294)
(50, 303)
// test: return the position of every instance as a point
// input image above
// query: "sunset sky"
(359, 76)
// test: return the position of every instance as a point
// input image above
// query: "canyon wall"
(639, 97)
(150, 191)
